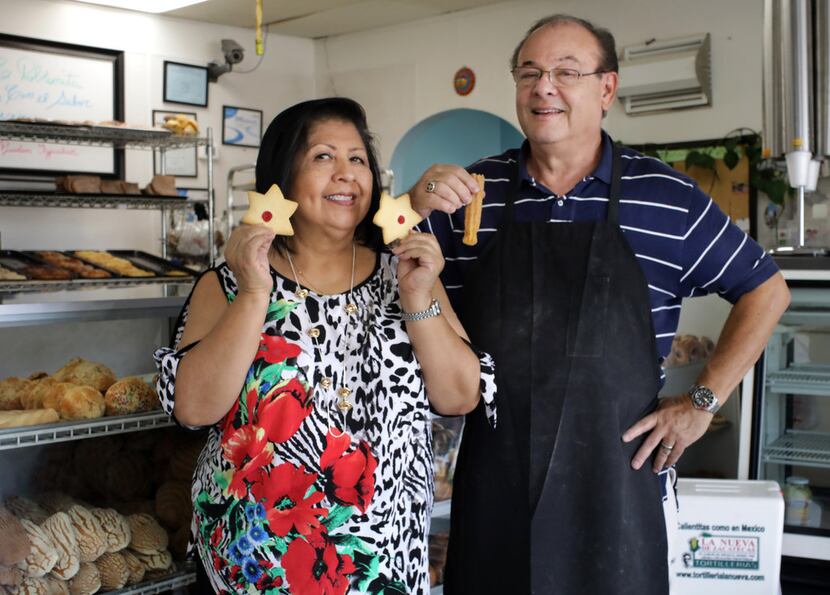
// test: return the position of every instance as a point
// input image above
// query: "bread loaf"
(81, 402)
(160, 560)
(135, 567)
(31, 585)
(42, 553)
(40, 387)
(91, 540)
(113, 570)
(57, 586)
(59, 528)
(162, 186)
(86, 373)
(173, 506)
(147, 535)
(11, 390)
(115, 526)
(130, 395)
(33, 417)
(79, 184)
(87, 581)
(14, 541)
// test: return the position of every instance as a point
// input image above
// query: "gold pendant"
(302, 293)
(351, 309)
(344, 392)
(325, 383)
(314, 332)
(344, 405)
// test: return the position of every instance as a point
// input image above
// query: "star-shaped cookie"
(395, 217)
(272, 210)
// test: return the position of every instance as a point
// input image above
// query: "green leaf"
(272, 374)
(279, 310)
(337, 516)
(731, 158)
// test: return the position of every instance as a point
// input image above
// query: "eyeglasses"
(528, 76)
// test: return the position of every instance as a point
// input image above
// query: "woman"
(317, 473)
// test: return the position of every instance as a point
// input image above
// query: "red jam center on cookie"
(401, 219)
(266, 216)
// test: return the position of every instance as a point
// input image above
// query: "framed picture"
(182, 163)
(241, 127)
(185, 83)
(63, 84)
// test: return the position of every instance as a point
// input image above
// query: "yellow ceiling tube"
(260, 48)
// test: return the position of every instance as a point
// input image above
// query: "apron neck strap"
(614, 192)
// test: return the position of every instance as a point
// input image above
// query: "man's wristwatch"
(703, 398)
(433, 310)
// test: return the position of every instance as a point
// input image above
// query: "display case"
(790, 441)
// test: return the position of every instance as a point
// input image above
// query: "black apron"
(548, 503)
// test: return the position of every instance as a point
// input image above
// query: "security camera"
(234, 53)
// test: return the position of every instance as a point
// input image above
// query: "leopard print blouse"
(290, 495)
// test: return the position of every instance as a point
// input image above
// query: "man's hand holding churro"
(443, 187)
(472, 214)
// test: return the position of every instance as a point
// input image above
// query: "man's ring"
(666, 447)
(431, 186)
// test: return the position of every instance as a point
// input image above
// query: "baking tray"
(19, 262)
(161, 268)
(34, 254)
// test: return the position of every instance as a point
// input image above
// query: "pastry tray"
(161, 269)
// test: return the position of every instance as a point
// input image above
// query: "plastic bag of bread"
(86, 373)
(130, 395)
(14, 541)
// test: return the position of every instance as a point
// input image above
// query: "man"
(584, 255)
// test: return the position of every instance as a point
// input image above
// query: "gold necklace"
(344, 392)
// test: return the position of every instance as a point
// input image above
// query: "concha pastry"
(42, 555)
(14, 541)
(135, 567)
(60, 529)
(113, 570)
(147, 535)
(91, 540)
(160, 560)
(115, 527)
(87, 581)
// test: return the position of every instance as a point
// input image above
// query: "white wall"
(285, 76)
(403, 74)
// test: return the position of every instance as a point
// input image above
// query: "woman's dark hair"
(287, 136)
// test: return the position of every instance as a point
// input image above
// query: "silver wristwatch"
(703, 398)
(433, 310)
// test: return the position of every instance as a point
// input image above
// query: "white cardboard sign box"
(729, 537)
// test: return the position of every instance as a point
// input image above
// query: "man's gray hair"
(608, 51)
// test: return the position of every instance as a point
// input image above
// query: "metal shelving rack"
(52, 301)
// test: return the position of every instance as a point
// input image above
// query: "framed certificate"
(185, 83)
(241, 127)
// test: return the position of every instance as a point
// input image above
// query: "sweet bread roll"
(173, 505)
(472, 214)
(91, 540)
(31, 585)
(81, 402)
(11, 391)
(42, 555)
(59, 528)
(113, 570)
(115, 527)
(148, 536)
(57, 586)
(160, 560)
(34, 417)
(135, 567)
(72, 264)
(87, 581)
(119, 265)
(86, 373)
(130, 395)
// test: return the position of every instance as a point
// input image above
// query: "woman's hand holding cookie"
(419, 263)
(247, 255)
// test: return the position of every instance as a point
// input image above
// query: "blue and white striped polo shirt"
(685, 244)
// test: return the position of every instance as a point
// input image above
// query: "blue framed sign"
(241, 127)
(185, 83)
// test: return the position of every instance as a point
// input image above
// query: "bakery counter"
(54, 433)
(91, 303)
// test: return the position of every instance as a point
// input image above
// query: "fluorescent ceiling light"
(145, 5)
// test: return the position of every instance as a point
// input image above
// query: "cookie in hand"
(272, 210)
(395, 217)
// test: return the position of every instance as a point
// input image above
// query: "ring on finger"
(431, 186)
(667, 447)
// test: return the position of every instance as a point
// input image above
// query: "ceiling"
(321, 18)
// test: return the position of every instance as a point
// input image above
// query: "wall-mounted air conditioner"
(666, 75)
